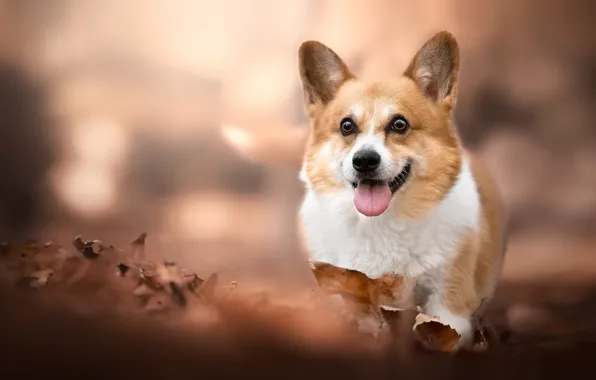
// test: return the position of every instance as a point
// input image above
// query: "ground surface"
(54, 343)
(547, 329)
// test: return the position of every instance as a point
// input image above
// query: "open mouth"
(372, 196)
(394, 185)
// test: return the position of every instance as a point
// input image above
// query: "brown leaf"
(207, 289)
(90, 249)
(177, 294)
(171, 275)
(436, 335)
(140, 239)
(361, 296)
(192, 281)
(138, 246)
(388, 290)
(151, 280)
(169, 272)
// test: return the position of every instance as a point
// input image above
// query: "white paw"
(461, 324)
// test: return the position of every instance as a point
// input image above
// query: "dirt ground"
(547, 331)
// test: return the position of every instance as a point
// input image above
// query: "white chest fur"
(336, 233)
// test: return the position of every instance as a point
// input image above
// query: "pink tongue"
(372, 200)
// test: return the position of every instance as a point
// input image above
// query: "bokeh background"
(110, 116)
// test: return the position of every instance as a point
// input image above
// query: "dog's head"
(379, 139)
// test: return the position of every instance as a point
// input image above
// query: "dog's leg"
(452, 301)
(463, 323)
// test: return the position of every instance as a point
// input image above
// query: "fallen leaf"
(91, 249)
(436, 335)
(138, 246)
(192, 281)
(170, 274)
(207, 289)
(388, 290)
(151, 280)
(177, 294)
(363, 297)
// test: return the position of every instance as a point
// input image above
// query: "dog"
(389, 186)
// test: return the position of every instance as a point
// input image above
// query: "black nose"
(366, 161)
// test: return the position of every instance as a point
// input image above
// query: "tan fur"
(472, 276)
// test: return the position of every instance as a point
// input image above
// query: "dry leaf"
(90, 249)
(362, 297)
(138, 246)
(150, 279)
(207, 289)
(192, 281)
(436, 335)
(171, 276)
(388, 290)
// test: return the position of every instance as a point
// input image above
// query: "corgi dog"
(390, 187)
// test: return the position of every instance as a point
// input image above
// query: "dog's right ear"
(322, 73)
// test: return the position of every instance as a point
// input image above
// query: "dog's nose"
(366, 161)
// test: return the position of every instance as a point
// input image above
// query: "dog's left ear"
(435, 69)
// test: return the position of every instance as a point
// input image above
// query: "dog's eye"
(347, 126)
(399, 124)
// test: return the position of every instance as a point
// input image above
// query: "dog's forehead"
(375, 101)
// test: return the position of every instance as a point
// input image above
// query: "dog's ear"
(322, 72)
(435, 69)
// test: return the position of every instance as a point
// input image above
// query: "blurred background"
(110, 114)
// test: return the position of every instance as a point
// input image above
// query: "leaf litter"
(358, 304)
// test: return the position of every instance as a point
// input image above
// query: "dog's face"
(382, 138)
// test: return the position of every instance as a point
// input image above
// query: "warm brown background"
(110, 112)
